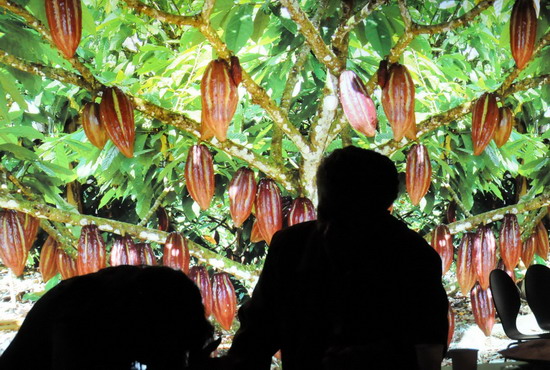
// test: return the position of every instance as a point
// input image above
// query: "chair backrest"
(537, 290)
(507, 301)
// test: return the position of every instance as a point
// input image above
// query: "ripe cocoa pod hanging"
(510, 241)
(48, 259)
(224, 303)
(146, 255)
(124, 252)
(199, 274)
(236, 70)
(484, 121)
(199, 175)
(528, 251)
(451, 321)
(91, 251)
(65, 21)
(484, 254)
(398, 100)
(269, 215)
(66, 265)
(117, 116)
(523, 31)
(357, 104)
(382, 73)
(442, 242)
(242, 193)
(541, 241)
(504, 126)
(466, 274)
(302, 210)
(163, 219)
(286, 202)
(13, 244)
(30, 228)
(418, 173)
(176, 252)
(219, 98)
(93, 128)
(450, 213)
(483, 309)
(255, 233)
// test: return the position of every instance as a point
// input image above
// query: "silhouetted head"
(354, 182)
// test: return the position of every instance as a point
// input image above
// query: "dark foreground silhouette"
(109, 319)
(356, 289)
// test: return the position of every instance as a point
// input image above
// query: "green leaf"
(261, 20)
(23, 132)
(19, 152)
(9, 84)
(240, 28)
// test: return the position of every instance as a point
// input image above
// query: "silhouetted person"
(354, 290)
(112, 318)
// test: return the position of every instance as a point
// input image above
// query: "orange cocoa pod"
(199, 175)
(163, 219)
(398, 100)
(117, 116)
(176, 252)
(236, 71)
(418, 173)
(124, 252)
(66, 265)
(146, 255)
(528, 251)
(269, 209)
(484, 254)
(91, 251)
(504, 126)
(256, 234)
(13, 244)
(485, 117)
(48, 259)
(466, 274)
(510, 241)
(382, 73)
(442, 242)
(242, 193)
(30, 228)
(523, 31)
(65, 21)
(357, 104)
(411, 131)
(93, 128)
(302, 210)
(541, 241)
(483, 309)
(199, 274)
(224, 303)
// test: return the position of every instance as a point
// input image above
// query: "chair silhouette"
(537, 290)
(507, 303)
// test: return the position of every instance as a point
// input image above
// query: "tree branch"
(155, 206)
(345, 28)
(192, 20)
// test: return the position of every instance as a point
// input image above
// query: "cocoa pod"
(255, 233)
(509, 272)
(91, 251)
(466, 274)
(398, 100)
(242, 193)
(357, 104)
(450, 213)
(451, 321)
(483, 309)
(163, 219)
(504, 126)
(199, 175)
(523, 31)
(269, 215)
(219, 98)
(93, 128)
(48, 259)
(510, 241)
(117, 116)
(302, 210)
(65, 21)
(13, 247)
(484, 254)
(286, 202)
(224, 303)
(382, 73)
(485, 118)
(199, 274)
(442, 242)
(528, 251)
(411, 131)
(124, 252)
(146, 255)
(236, 71)
(30, 228)
(541, 241)
(66, 265)
(176, 252)
(418, 173)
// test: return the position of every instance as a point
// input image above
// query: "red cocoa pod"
(256, 234)
(236, 70)
(219, 99)
(65, 21)
(510, 273)
(418, 173)
(541, 241)
(124, 252)
(450, 213)
(199, 274)
(485, 118)
(199, 175)
(146, 255)
(66, 265)
(269, 212)
(163, 219)
(117, 116)
(93, 128)
(504, 126)
(357, 104)
(176, 252)
(442, 242)
(466, 274)
(382, 73)
(528, 251)
(484, 254)
(398, 100)
(48, 259)
(242, 193)
(510, 241)
(451, 321)
(30, 228)
(224, 303)
(286, 202)
(302, 210)
(523, 31)
(13, 244)
(91, 251)
(483, 308)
